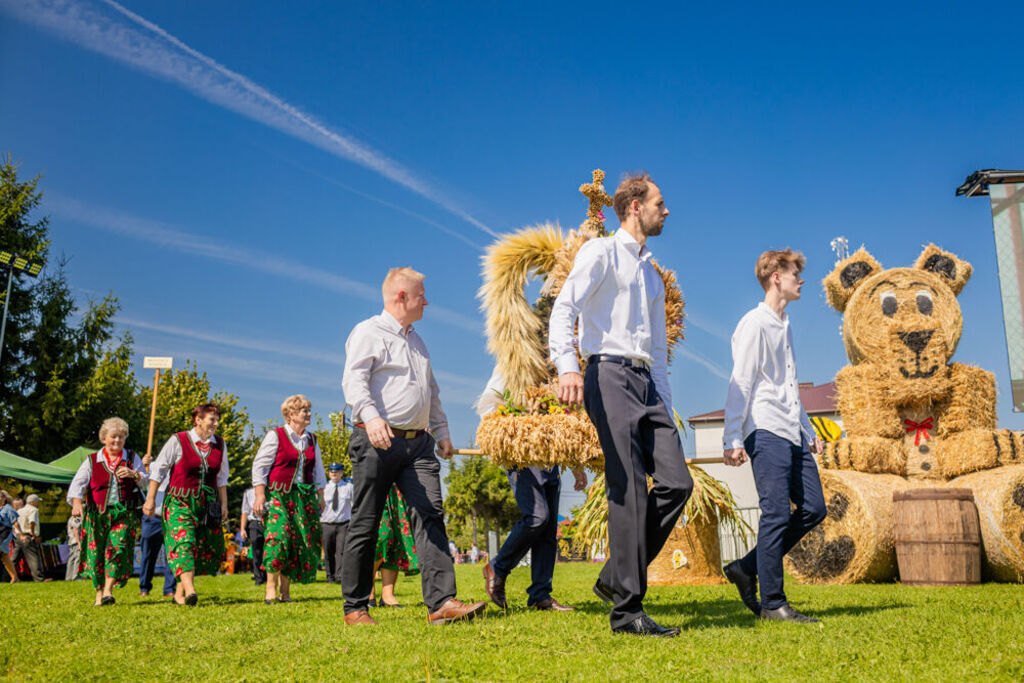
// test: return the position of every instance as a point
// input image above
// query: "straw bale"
(514, 331)
(978, 449)
(953, 269)
(847, 276)
(865, 454)
(973, 401)
(855, 542)
(999, 495)
(691, 555)
(542, 440)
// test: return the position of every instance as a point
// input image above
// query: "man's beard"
(651, 229)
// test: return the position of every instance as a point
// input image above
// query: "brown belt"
(399, 433)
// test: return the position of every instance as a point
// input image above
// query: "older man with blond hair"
(396, 407)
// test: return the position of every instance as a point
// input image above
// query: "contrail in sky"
(169, 237)
(714, 367)
(144, 46)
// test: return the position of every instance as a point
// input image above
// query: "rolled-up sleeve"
(264, 459)
(225, 469)
(360, 356)
(169, 456)
(319, 478)
(587, 272)
(80, 482)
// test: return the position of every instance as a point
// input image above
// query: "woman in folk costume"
(105, 488)
(196, 502)
(288, 482)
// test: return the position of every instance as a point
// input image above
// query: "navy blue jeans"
(783, 472)
(152, 540)
(536, 493)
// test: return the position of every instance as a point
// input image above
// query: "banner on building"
(1008, 225)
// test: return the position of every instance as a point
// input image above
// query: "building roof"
(817, 400)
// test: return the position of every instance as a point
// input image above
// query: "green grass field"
(868, 632)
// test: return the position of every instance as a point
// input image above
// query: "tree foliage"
(333, 439)
(479, 495)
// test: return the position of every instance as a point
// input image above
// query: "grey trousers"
(412, 466)
(334, 534)
(638, 438)
(74, 556)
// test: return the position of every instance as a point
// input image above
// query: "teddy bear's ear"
(946, 265)
(848, 275)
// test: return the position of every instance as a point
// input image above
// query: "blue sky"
(243, 175)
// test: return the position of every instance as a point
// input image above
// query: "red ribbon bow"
(921, 428)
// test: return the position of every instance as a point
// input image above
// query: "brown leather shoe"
(553, 605)
(359, 617)
(495, 586)
(453, 610)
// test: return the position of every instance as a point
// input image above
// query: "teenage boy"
(766, 423)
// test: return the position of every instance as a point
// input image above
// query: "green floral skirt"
(291, 542)
(190, 546)
(108, 542)
(396, 547)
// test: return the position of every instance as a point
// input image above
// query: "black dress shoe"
(494, 585)
(746, 584)
(604, 591)
(391, 604)
(643, 625)
(107, 600)
(552, 605)
(787, 613)
(191, 599)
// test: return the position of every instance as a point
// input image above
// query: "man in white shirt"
(618, 298)
(396, 407)
(27, 537)
(334, 520)
(766, 423)
(252, 533)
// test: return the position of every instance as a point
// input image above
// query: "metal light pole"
(22, 265)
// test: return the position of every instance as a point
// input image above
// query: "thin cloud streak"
(714, 367)
(278, 348)
(166, 236)
(154, 51)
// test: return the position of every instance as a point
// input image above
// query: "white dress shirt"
(619, 299)
(170, 454)
(344, 511)
(763, 389)
(267, 452)
(80, 482)
(387, 375)
(248, 498)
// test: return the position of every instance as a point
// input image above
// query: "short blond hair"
(113, 424)
(773, 261)
(294, 404)
(396, 274)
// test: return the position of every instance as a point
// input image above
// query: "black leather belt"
(399, 433)
(621, 360)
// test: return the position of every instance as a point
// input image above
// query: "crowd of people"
(389, 517)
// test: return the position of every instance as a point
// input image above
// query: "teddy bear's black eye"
(924, 302)
(889, 304)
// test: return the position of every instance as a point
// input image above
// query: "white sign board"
(158, 362)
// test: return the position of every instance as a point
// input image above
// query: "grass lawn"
(869, 632)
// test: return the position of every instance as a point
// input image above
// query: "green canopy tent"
(72, 460)
(24, 469)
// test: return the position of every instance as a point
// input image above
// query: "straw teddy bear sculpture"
(911, 418)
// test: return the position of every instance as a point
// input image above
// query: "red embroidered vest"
(99, 482)
(282, 472)
(186, 473)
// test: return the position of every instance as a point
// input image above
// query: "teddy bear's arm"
(866, 409)
(972, 404)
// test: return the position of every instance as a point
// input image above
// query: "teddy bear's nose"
(916, 341)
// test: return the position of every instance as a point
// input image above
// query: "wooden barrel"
(938, 537)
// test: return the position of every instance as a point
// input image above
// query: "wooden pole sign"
(156, 363)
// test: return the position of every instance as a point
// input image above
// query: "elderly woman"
(196, 502)
(288, 480)
(106, 489)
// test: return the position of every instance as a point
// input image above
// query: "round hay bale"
(855, 542)
(691, 555)
(999, 495)
(568, 439)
